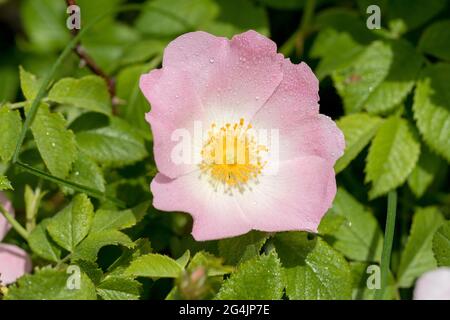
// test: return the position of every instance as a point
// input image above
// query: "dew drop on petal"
(211, 60)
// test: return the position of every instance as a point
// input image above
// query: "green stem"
(388, 240)
(298, 37)
(32, 202)
(64, 260)
(74, 186)
(13, 222)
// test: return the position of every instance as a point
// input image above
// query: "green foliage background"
(80, 185)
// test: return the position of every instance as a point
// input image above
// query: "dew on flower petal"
(211, 60)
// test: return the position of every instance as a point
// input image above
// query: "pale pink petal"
(14, 263)
(216, 214)
(294, 197)
(192, 52)
(296, 97)
(233, 78)
(4, 225)
(316, 135)
(175, 108)
(433, 285)
(293, 112)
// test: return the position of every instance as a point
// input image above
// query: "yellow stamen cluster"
(231, 155)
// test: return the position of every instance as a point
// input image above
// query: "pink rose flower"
(14, 262)
(433, 285)
(230, 179)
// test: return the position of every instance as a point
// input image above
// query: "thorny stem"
(92, 65)
(297, 39)
(74, 186)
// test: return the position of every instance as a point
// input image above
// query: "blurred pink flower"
(433, 285)
(14, 262)
(235, 89)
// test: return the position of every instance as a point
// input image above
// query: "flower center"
(231, 154)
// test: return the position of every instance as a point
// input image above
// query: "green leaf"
(359, 237)
(107, 48)
(118, 220)
(90, 93)
(49, 284)
(392, 156)
(88, 249)
(331, 223)
(311, 268)
(55, 143)
(154, 266)
(230, 21)
(414, 13)
(91, 10)
(140, 52)
(435, 40)
(5, 184)
(184, 259)
(358, 130)
(347, 21)
(87, 173)
(136, 105)
(256, 279)
(417, 257)
(336, 50)
(71, 225)
(399, 81)
(9, 84)
(10, 127)
(356, 82)
(441, 245)
(424, 172)
(213, 265)
(44, 24)
(239, 249)
(28, 83)
(202, 278)
(116, 144)
(119, 288)
(91, 269)
(41, 243)
(140, 247)
(362, 276)
(432, 108)
(169, 18)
